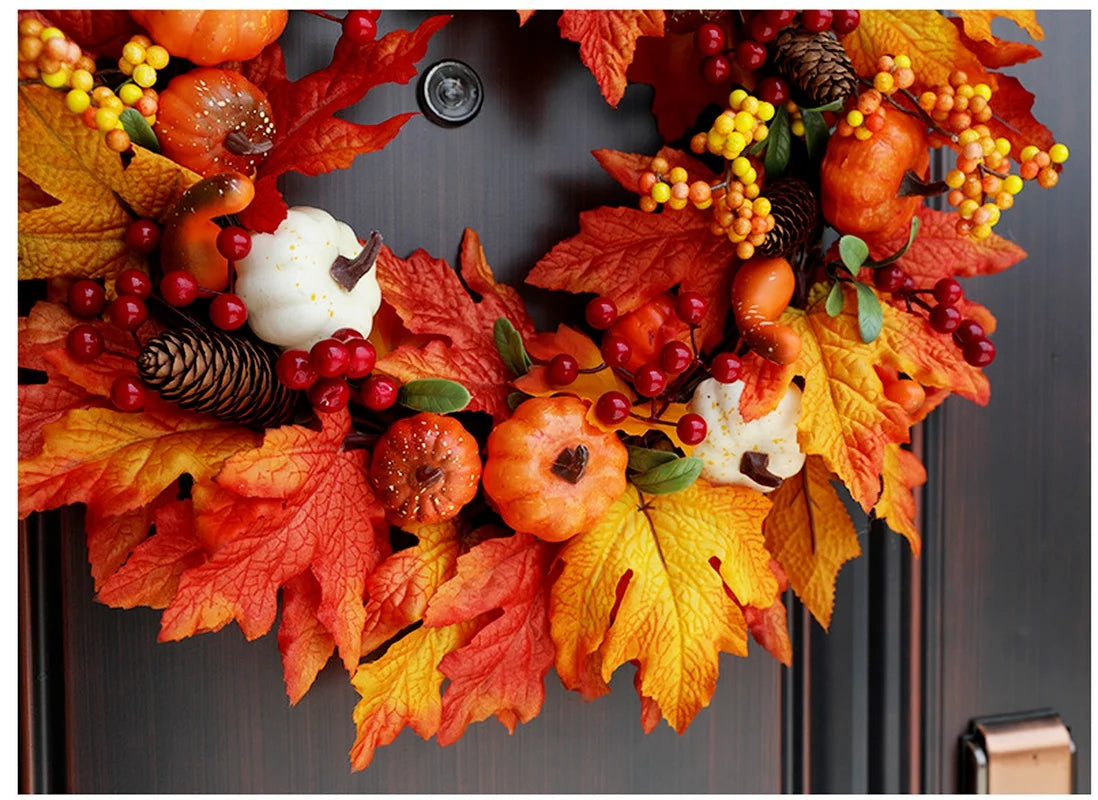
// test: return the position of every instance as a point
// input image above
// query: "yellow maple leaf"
(83, 233)
(977, 22)
(903, 472)
(810, 534)
(929, 39)
(667, 564)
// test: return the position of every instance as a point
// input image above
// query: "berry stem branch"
(916, 110)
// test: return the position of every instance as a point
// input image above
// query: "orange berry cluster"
(864, 115)
(671, 185)
(45, 54)
(958, 104)
(893, 74)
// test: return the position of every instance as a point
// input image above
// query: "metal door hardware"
(1030, 752)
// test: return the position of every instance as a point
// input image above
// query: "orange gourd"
(761, 291)
(550, 472)
(648, 328)
(425, 469)
(860, 180)
(212, 37)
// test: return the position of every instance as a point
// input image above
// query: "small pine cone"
(796, 216)
(231, 378)
(816, 65)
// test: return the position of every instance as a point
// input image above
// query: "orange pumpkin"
(550, 472)
(212, 37)
(648, 328)
(425, 469)
(860, 180)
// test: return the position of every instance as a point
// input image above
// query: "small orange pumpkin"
(212, 37)
(648, 328)
(860, 180)
(550, 472)
(425, 468)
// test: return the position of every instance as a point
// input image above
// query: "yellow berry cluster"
(45, 54)
(864, 115)
(671, 185)
(796, 118)
(141, 59)
(740, 125)
(893, 74)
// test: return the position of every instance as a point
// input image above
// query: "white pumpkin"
(293, 301)
(729, 436)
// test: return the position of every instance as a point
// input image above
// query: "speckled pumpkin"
(425, 469)
(550, 472)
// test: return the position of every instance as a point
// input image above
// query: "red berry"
(716, 69)
(750, 54)
(329, 357)
(817, 20)
(228, 312)
(363, 356)
(87, 298)
(360, 27)
(979, 351)
(142, 236)
(612, 408)
(329, 394)
(128, 312)
(709, 39)
(127, 393)
(773, 89)
(761, 29)
(725, 367)
(234, 242)
(948, 292)
(346, 334)
(178, 287)
(379, 392)
(675, 356)
(908, 284)
(133, 281)
(601, 313)
(945, 319)
(890, 278)
(690, 307)
(691, 429)
(84, 343)
(846, 21)
(616, 351)
(649, 380)
(294, 370)
(968, 329)
(781, 18)
(563, 369)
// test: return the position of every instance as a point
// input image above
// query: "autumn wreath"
(253, 400)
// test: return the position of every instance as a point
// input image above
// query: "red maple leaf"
(502, 670)
(430, 298)
(1014, 118)
(112, 537)
(305, 644)
(627, 168)
(607, 41)
(309, 138)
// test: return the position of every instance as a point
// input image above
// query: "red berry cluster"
(325, 369)
(755, 31)
(943, 314)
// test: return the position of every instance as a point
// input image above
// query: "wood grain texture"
(210, 714)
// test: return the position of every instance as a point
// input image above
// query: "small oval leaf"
(834, 304)
(674, 476)
(642, 459)
(816, 133)
(434, 394)
(870, 316)
(140, 132)
(778, 144)
(509, 344)
(853, 251)
(516, 399)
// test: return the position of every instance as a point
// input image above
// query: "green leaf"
(870, 316)
(673, 476)
(778, 143)
(141, 133)
(509, 345)
(899, 253)
(434, 394)
(834, 304)
(642, 459)
(516, 399)
(834, 105)
(853, 251)
(815, 133)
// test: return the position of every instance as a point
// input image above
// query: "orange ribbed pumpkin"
(212, 37)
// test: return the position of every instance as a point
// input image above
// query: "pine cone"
(796, 216)
(816, 65)
(231, 378)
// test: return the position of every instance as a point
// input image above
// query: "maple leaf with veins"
(309, 138)
(607, 41)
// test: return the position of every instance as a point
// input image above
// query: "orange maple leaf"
(995, 53)
(430, 299)
(627, 168)
(304, 642)
(607, 41)
(675, 554)
(902, 474)
(524, 16)
(977, 22)
(112, 537)
(308, 505)
(1014, 118)
(811, 536)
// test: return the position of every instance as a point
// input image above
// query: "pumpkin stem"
(754, 466)
(238, 143)
(571, 464)
(427, 475)
(348, 272)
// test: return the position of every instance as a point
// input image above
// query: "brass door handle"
(1030, 752)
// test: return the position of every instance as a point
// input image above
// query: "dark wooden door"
(993, 618)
